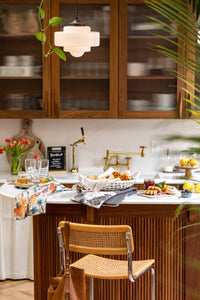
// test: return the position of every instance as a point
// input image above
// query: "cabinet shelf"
(151, 37)
(17, 36)
(85, 77)
(150, 77)
(20, 78)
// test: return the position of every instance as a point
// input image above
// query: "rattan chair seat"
(105, 268)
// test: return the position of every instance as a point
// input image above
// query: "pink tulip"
(36, 156)
(7, 140)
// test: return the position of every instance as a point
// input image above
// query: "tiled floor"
(16, 290)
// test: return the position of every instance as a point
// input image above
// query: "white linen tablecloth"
(16, 239)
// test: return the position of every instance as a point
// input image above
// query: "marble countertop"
(69, 178)
(64, 197)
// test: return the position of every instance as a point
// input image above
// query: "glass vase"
(16, 165)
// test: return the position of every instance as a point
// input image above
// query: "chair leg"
(91, 288)
(153, 296)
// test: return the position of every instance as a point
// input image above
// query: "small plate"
(23, 185)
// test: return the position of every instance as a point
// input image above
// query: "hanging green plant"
(41, 36)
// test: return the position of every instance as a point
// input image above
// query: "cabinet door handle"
(46, 105)
(56, 106)
(188, 113)
(180, 106)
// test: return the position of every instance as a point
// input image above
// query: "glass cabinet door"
(21, 85)
(85, 87)
(149, 87)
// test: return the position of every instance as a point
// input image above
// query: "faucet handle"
(142, 151)
(82, 131)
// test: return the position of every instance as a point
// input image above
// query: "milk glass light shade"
(77, 39)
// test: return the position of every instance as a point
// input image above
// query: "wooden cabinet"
(24, 80)
(123, 78)
(147, 88)
(87, 87)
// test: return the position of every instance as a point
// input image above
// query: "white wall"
(115, 135)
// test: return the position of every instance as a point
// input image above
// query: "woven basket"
(118, 185)
(105, 184)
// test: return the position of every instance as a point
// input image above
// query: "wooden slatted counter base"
(156, 235)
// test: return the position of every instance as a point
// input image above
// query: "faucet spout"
(83, 140)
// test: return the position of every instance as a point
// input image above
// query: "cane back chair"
(95, 240)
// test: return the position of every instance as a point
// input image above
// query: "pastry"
(92, 177)
(171, 190)
(154, 188)
(122, 175)
(150, 192)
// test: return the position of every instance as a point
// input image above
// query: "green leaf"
(161, 185)
(55, 21)
(41, 12)
(60, 53)
(41, 36)
(1, 11)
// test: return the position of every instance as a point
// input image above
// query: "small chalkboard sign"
(57, 158)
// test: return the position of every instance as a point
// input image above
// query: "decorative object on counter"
(15, 149)
(148, 182)
(117, 156)
(33, 201)
(160, 190)
(74, 169)
(168, 162)
(188, 185)
(21, 179)
(188, 171)
(57, 159)
(41, 36)
(36, 146)
(110, 180)
(97, 199)
(186, 193)
(77, 38)
(43, 168)
(30, 169)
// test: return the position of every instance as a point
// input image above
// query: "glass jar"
(22, 179)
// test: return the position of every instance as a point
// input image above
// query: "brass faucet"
(75, 170)
(116, 155)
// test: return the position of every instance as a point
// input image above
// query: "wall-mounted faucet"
(75, 170)
(116, 155)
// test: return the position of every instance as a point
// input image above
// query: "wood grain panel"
(156, 235)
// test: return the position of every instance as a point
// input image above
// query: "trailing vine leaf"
(60, 53)
(55, 21)
(41, 12)
(41, 36)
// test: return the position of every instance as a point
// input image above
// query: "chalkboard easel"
(57, 159)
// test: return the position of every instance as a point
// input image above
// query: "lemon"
(197, 188)
(188, 185)
(184, 161)
(193, 162)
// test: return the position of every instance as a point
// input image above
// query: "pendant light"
(77, 38)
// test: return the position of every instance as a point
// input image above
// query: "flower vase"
(16, 165)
